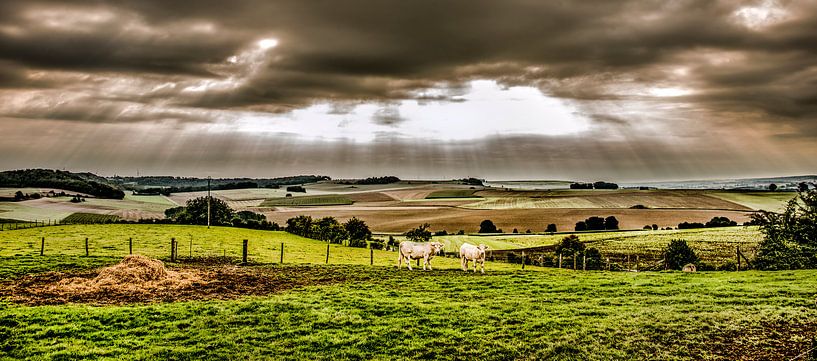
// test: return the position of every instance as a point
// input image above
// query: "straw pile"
(135, 274)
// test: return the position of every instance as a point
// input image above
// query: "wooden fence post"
(737, 253)
(584, 262)
(87, 252)
(173, 250)
(608, 263)
(42, 246)
(371, 256)
(574, 261)
(327, 253)
(628, 261)
(560, 260)
(636, 262)
(282, 252)
(523, 261)
(130, 245)
(244, 252)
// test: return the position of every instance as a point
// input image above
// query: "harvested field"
(452, 193)
(306, 201)
(410, 193)
(89, 218)
(770, 201)
(138, 279)
(373, 197)
(453, 219)
(682, 199)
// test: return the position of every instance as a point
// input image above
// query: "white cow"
(470, 252)
(411, 250)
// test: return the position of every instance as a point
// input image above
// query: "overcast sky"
(511, 89)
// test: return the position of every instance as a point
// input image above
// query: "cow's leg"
(399, 260)
(463, 263)
(482, 264)
(428, 260)
(408, 263)
(425, 262)
(475, 265)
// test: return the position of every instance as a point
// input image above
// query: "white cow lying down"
(470, 252)
(411, 250)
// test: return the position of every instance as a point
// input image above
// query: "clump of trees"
(86, 183)
(419, 234)
(551, 228)
(597, 224)
(354, 232)
(714, 222)
(595, 185)
(678, 254)
(195, 212)
(300, 189)
(790, 237)
(378, 180)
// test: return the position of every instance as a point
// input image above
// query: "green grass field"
(22, 211)
(447, 315)
(319, 200)
(111, 240)
(378, 313)
(452, 193)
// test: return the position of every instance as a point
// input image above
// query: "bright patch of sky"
(485, 109)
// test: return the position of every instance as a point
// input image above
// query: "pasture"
(349, 309)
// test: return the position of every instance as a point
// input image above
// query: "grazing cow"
(470, 252)
(411, 250)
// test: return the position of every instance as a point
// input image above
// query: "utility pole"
(208, 202)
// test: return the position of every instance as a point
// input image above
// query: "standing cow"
(412, 250)
(470, 252)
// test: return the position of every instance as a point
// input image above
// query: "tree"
(551, 228)
(593, 259)
(19, 196)
(487, 226)
(570, 245)
(610, 223)
(330, 230)
(654, 227)
(515, 231)
(790, 237)
(772, 187)
(594, 223)
(196, 209)
(358, 232)
(720, 222)
(300, 225)
(419, 234)
(802, 187)
(678, 254)
(581, 226)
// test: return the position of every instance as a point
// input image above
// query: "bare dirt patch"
(139, 279)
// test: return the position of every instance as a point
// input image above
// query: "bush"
(581, 226)
(593, 259)
(790, 237)
(551, 228)
(570, 245)
(610, 223)
(720, 222)
(487, 226)
(296, 189)
(678, 254)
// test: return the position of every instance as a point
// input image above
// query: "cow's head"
(482, 248)
(437, 246)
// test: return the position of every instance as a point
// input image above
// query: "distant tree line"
(372, 180)
(714, 222)
(46, 178)
(169, 184)
(596, 185)
(471, 181)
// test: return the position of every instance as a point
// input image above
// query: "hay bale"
(689, 267)
(133, 269)
(134, 275)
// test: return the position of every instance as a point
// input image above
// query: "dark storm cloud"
(155, 60)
